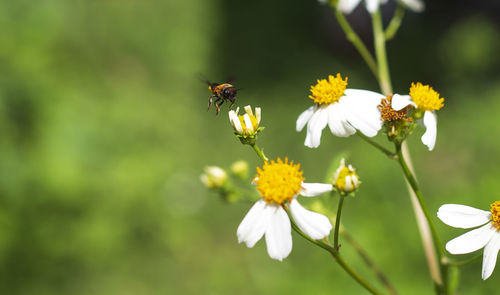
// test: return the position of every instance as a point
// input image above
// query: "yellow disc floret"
(425, 97)
(279, 181)
(495, 214)
(389, 114)
(246, 129)
(327, 92)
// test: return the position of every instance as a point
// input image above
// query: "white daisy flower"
(345, 178)
(247, 124)
(487, 236)
(344, 110)
(347, 6)
(279, 182)
(426, 101)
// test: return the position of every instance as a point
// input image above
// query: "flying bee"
(221, 92)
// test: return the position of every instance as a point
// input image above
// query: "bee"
(221, 92)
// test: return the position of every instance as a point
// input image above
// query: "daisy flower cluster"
(346, 111)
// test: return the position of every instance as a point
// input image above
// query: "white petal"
(415, 5)
(248, 123)
(361, 109)
(316, 125)
(430, 123)
(337, 121)
(372, 5)
(258, 115)
(235, 121)
(400, 102)
(490, 256)
(279, 235)
(304, 118)
(313, 224)
(314, 189)
(347, 6)
(462, 216)
(248, 110)
(472, 240)
(253, 226)
(364, 93)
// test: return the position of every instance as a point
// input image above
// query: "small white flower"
(487, 236)
(343, 110)
(426, 101)
(345, 178)
(347, 6)
(247, 124)
(279, 182)
(214, 177)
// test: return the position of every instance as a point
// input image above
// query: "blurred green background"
(104, 133)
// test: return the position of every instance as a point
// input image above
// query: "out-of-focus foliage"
(104, 132)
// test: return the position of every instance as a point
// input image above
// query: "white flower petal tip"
(279, 235)
(347, 6)
(400, 102)
(462, 216)
(304, 118)
(415, 5)
(490, 256)
(315, 189)
(372, 5)
(337, 121)
(472, 240)
(315, 225)
(430, 123)
(254, 224)
(361, 110)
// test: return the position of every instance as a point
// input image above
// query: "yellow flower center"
(279, 181)
(495, 214)
(253, 119)
(327, 92)
(425, 97)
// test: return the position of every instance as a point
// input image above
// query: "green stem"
(380, 53)
(390, 154)
(443, 288)
(339, 260)
(356, 41)
(260, 153)
(395, 23)
(337, 222)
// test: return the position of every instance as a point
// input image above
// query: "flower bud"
(240, 169)
(246, 126)
(345, 178)
(214, 177)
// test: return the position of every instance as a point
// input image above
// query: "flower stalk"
(336, 255)
(442, 285)
(337, 221)
(356, 41)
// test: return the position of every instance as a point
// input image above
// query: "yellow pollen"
(279, 181)
(327, 92)
(495, 214)
(389, 114)
(253, 119)
(425, 97)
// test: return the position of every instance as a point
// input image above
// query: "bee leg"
(232, 102)
(217, 104)
(210, 101)
(217, 109)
